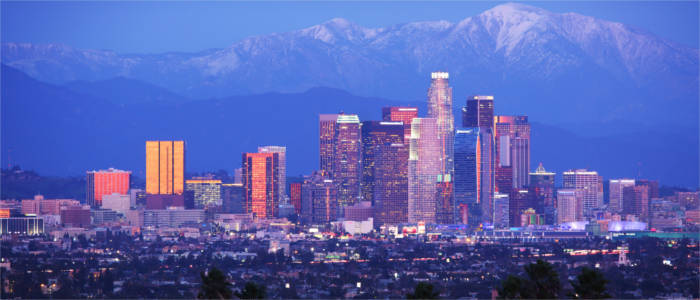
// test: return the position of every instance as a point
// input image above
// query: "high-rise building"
(206, 191)
(467, 151)
(635, 201)
(295, 196)
(512, 146)
(374, 135)
(444, 200)
(347, 162)
(319, 199)
(520, 200)
(542, 191)
(232, 198)
(282, 174)
(591, 186)
(478, 112)
(652, 185)
(261, 192)
(569, 205)
(424, 166)
(326, 151)
(440, 109)
(616, 188)
(501, 210)
(391, 184)
(401, 114)
(105, 182)
(165, 167)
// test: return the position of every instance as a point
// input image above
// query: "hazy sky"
(188, 26)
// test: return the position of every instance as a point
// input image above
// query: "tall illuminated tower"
(326, 139)
(260, 183)
(512, 146)
(165, 167)
(282, 174)
(423, 169)
(440, 109)
(390, 193)
(347, 162)
(590, 185)
(616, 188)
(542, 191)
(467, 175)
(478, 112)
(374, 135)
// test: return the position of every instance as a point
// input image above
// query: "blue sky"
(153, 27)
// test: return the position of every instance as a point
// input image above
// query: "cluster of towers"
(423, 169)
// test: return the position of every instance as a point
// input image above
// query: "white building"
(117, 202)
(616, 188)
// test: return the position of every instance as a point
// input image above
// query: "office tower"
(282, 174)
(440, 109)
(391, 184)
(347, 159)
(319, 199)
(105, 182)
(569, 205)
(206, 191)
(295, 196)
(165, 167)
(652, 185)
(260, 183)
(232, 198)
(520, 201)
(590, 185)
(326, 151)
(478, 112)
(635, 201)
(616, 187)
(401, 114)
(374, 135)
(501, 210)
(444, 200)
(542, 191)
(423, 169)
(467, 166)
(512, 146)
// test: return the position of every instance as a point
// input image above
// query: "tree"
(423, 290)
(214, 285)
(544, 278)
(252, 291)
(590, 284)
(542, 282)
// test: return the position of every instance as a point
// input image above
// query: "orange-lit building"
(295, 196)
(401, 114)
(260, 183)
(105, 182)
(165, 167)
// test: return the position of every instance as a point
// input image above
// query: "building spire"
(540, 169)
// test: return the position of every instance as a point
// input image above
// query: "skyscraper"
(512, 146)
(444, 200)
(206, 191)
(653, 186)
(165, 167)
(501, 210)
(261, 191)
(401, 114)
(478, 112)
(347, 159)
(542, 191)
(282, 174)
(423, 168)
(590, 185)
(467, 151)
(374, 135)
(636, 201)
(520, 201)
(391, 184)
(295, 196)
(327, 123)
(105, 182)
(232, 198)
(616, 188)
(440, 109)
(319, 202)
(569, 205)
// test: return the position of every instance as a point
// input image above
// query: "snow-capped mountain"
(556, 67)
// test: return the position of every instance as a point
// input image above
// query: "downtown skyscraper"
(512, 147)
(376, 134)
(105, 182)
(401, 114)
(165, 167)
(390, 194)
(260, 183)
(542, 191)
(590, 185)
(282, 168)
(440, 109)
(615, 191)
(319, 199)
(423, 169)
(340, 154)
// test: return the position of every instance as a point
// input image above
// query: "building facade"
(319, 199)
(391, 185)
(512, 146)
(569, 205)
(423, 169)
(401, 114)
(282, 174)
(590, 185)
(376, 134)
(615, 189)
(542, 191)
(105, 182)
(260, 185)
(165, 167)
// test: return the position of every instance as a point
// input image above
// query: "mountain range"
(556, 68)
